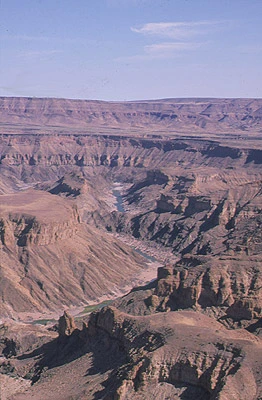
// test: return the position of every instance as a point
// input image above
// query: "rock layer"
(180, 354)
(175, 114)
(188, 174)
(49, 258)
(226, 288)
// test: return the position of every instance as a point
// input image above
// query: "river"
(118, 196)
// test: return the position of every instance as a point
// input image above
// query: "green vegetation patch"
(44, 321)
(94, 307)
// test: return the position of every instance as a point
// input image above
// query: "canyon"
(188, 174)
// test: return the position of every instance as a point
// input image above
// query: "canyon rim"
(160, 298)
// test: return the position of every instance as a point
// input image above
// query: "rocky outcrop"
(176, 114)
(181, 354)
(69, 185)
(49, 258)
(226, 288)
(164, 204)
(197, 212)
(17, 338)
(28, 230)
(158, 364)
(120, 151)
(190, 179)
(247, 308)
(66, 325)
(35, 218)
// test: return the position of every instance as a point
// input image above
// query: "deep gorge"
(77, 208)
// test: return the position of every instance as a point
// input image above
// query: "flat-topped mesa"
(36, 218)
(186, 115)
(156, 354)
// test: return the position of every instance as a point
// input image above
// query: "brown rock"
(66, 325)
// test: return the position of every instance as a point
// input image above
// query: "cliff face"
(188, 173)
(50, 258)
(227, 288)
(60, 151)
(35, 218)
(200, 210)
(175, 114)
(183, 355)
(158, 364)
(189, 196)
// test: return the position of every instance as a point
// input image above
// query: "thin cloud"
(178, 37)
(177, 30)
(170, 47)
(164, 50)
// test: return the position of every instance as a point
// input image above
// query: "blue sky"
(131, 49)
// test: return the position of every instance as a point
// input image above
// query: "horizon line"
(131, 101)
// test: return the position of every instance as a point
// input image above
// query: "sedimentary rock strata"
(50, 258)
(188, 176)
(181, 354)
(173, 114)
(229, 289)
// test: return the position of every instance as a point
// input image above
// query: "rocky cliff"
(187, 173)
(183, 115)
(226, 288)
(49, 258)
(189, 196)
(180, 354)
(60, 151)
(158, 364)
(201, 210)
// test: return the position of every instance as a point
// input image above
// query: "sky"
(131, 49)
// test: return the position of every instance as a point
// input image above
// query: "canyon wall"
(181, 115)
(188, 173)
